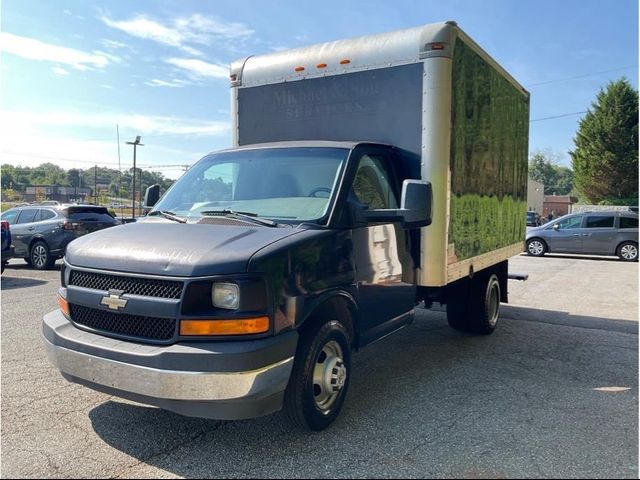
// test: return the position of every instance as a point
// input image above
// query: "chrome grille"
(146, 287)
(123, 324)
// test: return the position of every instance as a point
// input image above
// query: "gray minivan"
(592, 233)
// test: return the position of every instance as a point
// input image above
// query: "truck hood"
(182, 250)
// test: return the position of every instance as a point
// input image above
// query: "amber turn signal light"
(64, 305)
(243, 326)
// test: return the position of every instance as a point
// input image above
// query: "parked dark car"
(7, 246)
(41, 232)
(593, 233)
(533, 219)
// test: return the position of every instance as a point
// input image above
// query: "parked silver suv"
(593, 233)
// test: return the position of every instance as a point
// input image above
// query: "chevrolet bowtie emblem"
(113, 300)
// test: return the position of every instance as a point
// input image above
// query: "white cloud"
(112, 44)
(176, 83)
(113, 58)
(144, 27)
(180, 32)
(144, 124)
(55, 144)
(199, 68)
(33, 49)
(59, 71)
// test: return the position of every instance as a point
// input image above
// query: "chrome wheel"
(493, 303)
(329, 376)
(39, 256)
(535, 247)
(629, 252)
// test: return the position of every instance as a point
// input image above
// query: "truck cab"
(237, 269)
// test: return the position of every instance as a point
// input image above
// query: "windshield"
(277, 183)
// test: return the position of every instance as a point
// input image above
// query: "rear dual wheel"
(473, 304)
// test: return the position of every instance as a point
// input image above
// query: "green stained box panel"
(489, 146)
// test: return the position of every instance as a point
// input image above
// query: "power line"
(556, 116)
(581, 76)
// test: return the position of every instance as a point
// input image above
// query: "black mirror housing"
(151, 196)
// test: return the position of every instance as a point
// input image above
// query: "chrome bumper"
(169, 384)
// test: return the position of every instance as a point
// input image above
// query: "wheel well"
(337, 308)
(37, 239)
(539, 239)
(623, 242)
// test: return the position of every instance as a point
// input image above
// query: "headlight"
(225, 295)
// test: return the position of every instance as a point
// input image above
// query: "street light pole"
(135, 144)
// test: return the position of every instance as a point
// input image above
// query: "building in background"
(535, 196)
(38, 193)
(558, 205)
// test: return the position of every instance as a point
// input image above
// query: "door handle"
(31, 229)
(586, 234)
(576, 234)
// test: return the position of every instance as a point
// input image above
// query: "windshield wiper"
(249, 216)
(169, 215)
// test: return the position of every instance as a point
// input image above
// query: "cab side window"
(372, 184)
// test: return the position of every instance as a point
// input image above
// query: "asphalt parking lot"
(552, 393)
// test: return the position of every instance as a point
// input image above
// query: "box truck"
(367, 175)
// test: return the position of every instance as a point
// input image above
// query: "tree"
(543, 168)
(605, 159)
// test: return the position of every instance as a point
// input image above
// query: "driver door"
(383, 263)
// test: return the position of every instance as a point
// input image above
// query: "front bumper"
(221, 380)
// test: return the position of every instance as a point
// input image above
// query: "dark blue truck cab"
(353, 193)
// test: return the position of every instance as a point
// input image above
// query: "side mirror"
(556, 227)
(417, 197)
(414, 211)
(151, 196)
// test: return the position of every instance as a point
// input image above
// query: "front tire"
(40, 256)
(536, 247)
(628, 252)
(320, 377)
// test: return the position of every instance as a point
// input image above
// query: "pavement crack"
(167, 451)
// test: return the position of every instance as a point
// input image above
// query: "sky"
(73, 70)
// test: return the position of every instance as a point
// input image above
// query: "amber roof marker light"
(345, 61)
(299, 69)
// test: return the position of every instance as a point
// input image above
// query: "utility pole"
(119, 170)
(135, 144)
(95, 185)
